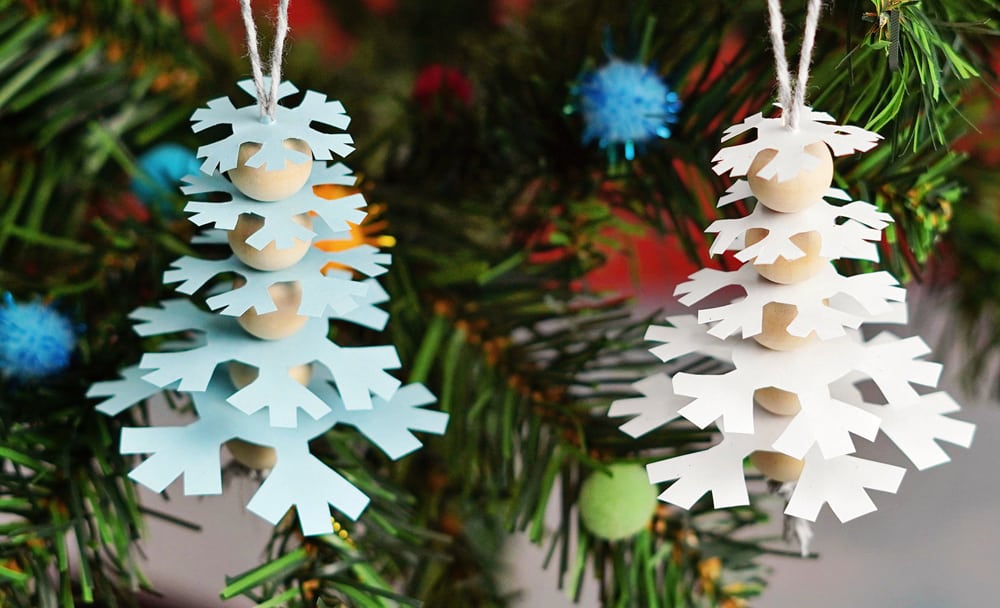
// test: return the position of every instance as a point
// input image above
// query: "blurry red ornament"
(441, 87)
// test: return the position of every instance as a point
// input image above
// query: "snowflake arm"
(718, 469)
(727, 396)
(360, 371)
(684, 338)
(192, 451)
(916, 428)
(283, 397)
(299, 479)
(826, 422)
(172, 316)
(367, 313)
(841, 483)
(390, 424)
(366, 259)
(124, 393)
(193, 368)
(892, 363)
(657, 407)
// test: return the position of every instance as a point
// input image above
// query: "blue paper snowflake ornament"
(349, 385)
(625, 104)
(35, 340)
(289, 123)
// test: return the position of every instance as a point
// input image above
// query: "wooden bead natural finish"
(282, 322)
(271, 183)
(270, 257)
(774, 334)
(797, 193)
(241, 374)
(252, 455)
(777, 466)
(785, 271)
(777, 401)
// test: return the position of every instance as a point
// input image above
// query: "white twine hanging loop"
(267, 99)
(793, 101)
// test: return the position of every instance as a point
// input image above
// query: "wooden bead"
(774, 335)
(282, 322)
(797, 193)
(267, 183)
(241, 374)
(777, 401)
(252, 455)
(785, 271)
(777, 466)
(270, 257)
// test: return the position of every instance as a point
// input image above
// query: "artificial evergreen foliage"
(499, 209)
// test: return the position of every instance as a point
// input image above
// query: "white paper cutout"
(298, 479)
(821, 374)
(873, 292)
(288, 123)
(854, 238)
(841, 483)
(718, 469)
(657, 407)
(791, 158)
(278, 226)
(917, 427)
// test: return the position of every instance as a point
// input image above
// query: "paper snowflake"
(278, 226)
(334, 289)
(298, 479)
(816, 312)
(815, 384)
(791, 158)
(289, 123)
(846, 231)
(358, 372)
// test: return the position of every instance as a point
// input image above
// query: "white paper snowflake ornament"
(271, 159)
(791, 343)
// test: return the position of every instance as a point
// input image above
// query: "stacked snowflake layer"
(287, 382)
(790, 400)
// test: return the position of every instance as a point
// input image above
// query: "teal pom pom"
(625, 104)
(35, 340)
(160, 171)
(618, 503)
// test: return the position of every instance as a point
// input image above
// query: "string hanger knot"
(792, 100)
(267, 93)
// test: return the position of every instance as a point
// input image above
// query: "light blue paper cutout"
(298, 479)
(279, 227)
(357, 371)
(124, 393)
(367, 314)
(334, 290)
(349, 385)
(289, 123)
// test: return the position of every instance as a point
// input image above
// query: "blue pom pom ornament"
(35, 340)
(625, 105)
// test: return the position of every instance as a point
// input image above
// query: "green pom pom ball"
(618, 503)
